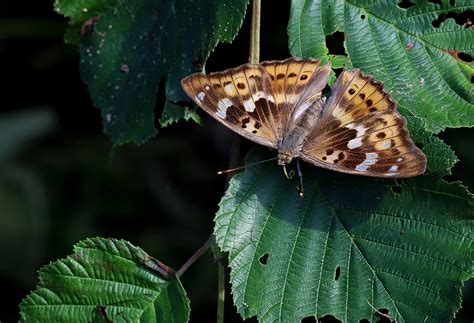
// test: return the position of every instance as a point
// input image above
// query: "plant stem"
(254, 54)
(194, 257)
(220, 292)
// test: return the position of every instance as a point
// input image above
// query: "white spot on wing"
(222, 107)
(249, 105)
(357, 141)
(354, 143)
(207, 87)
(201, 96)
(393, 169)
(386, 144)
(370, 159)
(399, 159)
(228, 88)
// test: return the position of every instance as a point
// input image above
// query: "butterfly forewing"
(239, 98)
(297, 84)
(361, 132)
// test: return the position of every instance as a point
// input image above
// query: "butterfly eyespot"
(329, 152)
(241, 86)
(257, 125)
(254, 131)
(369, 102)
(336, 161)
(381, 135)
(324, 158)
(303, 77)
(373, 109)
(351, 91)
(216, 85)
(341, 156)
(280, 76)
(362, 95)
(291, 75)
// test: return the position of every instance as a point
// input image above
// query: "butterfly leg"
(288, 174)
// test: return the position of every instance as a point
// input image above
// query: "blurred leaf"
(419, 63)
(356, 245)
(21, 127)
(105, 280)
(133, 46)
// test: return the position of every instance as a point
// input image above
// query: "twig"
(194, 257)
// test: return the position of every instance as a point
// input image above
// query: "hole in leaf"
(464, 57)
(309, 319)
(435, 1)
(327, 319)
(264, 259)
(335, 43)
(405, 4)
(463, 18)
(383, 316)
(397, 189)
(362, 17)
(338, 273)
(364, 321)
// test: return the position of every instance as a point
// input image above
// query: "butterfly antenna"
(244, 166)
(300, 175)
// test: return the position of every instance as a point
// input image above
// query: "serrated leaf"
(105, 280)
(417, 61)
(440, 157)
(172, 113)
(356, 245)
(135, 45)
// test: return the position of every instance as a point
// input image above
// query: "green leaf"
(105, 280)
(355, 246)
(135, 45)
(440, 157)
(417, 61)
(173, 112)
(81, 14)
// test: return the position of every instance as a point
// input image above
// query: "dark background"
(61, 181)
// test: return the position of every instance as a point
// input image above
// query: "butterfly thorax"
(299, 128)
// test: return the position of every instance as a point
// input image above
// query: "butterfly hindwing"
(360, 132)
(240, 98)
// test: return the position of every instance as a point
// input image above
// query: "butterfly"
(279, 104)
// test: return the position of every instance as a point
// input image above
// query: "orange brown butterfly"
(279, 104)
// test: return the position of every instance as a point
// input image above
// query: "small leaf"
(135, 45)
(105, 280)
(420, 63)
(356, 245)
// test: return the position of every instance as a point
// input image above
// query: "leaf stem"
(194, 257)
